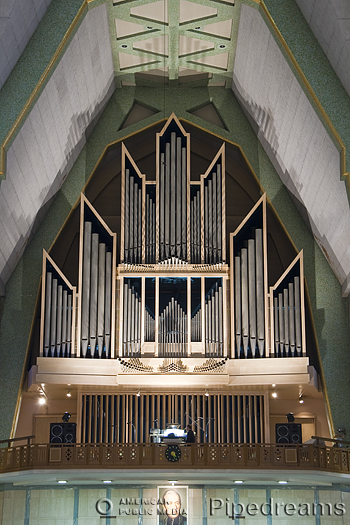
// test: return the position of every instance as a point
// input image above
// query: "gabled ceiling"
(210, 42)
(173, 40)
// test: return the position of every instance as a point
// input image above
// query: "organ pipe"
(57, 316)
(214, 321)
(96, 295)
(249, 303)
(287, 319)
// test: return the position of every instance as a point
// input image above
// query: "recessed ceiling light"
(238, 481)
(61, 481)
(283, 482)
(106, 481)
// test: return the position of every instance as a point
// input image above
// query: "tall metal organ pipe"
(57, 317)
(195, 222)
(173, 200)
(249, 298)
(213, 216)
(287, 320)
(131, 321)
(214, 321)
(172, 337)
(96, 295)
(132, 218)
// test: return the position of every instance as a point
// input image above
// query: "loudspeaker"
(288, 433)
(63, 432)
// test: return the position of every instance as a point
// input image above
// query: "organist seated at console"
(172, 434)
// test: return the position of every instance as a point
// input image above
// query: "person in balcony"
(190, 438)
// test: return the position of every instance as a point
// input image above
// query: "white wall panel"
(18, 21)
(53, 133)
(329, 20)
(293, 136)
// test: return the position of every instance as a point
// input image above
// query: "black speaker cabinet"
(63, 432)
(288, 433)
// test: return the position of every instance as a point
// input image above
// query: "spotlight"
(283, 482)
(42, 400)
(106, 481)
(61, 481)
(274, 394)
(66, 417)
(69, 393)
(290, 417)
(301, 399)
(138, 393)
(207, 393)
(238, 481)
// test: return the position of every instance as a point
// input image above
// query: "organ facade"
(173, 301)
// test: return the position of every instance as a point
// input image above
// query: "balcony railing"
(152, 455)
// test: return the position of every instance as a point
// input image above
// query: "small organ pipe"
(206, 225)
(147, 229)
(101, 296)
(215, 219)
(173, 193)
(139, 226)
(252, 294)
(276, 325)
(298, 338)
(217, 320)
(86, 288)
(178, 197)
(59, 320)
(221, 322)
(281, 322)
(69, 324)
(136, 222)
(192, 229)
(108, 301)
(64, 322)
(260, 310)
(210, 220)
(161, 207)
(219, 212)
(48, 294)
(126, 215)
(131, 215)
(285, 317)
(245, 311)
(167, 200)
(291, 319)
(125, 318)
(93, 292)
(53, 316)
(238, 305)
(184, 203)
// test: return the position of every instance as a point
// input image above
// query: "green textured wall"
(314, 64)
(329, 309)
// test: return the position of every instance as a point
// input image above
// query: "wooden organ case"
(172, 306)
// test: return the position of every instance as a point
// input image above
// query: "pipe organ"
(172, 296)
(173, 278)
